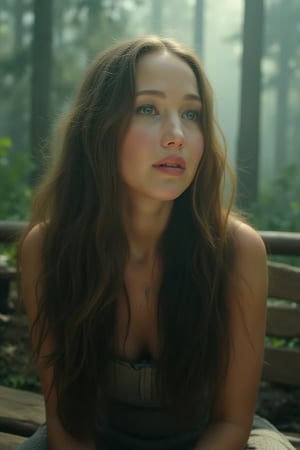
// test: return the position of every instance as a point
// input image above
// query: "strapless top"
(135, 418)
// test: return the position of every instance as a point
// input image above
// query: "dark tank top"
(135, 419)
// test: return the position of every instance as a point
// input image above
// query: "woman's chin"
(169, 196)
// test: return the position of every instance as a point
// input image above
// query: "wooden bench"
(282, 363)
(21, 412)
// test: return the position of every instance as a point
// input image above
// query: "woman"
(145, 295)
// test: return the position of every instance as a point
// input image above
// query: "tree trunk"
(248, 140)
(41, 81)
(282, 102)
(199, 25)
(18, 127)
(282, 88)
(93, 24)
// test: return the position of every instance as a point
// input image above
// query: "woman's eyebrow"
(163, 95)
(151, 92)
(192, 97)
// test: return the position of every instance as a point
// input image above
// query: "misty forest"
(250, 50)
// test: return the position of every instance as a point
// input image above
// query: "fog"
(79, 30)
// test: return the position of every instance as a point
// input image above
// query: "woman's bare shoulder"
(249, 280)
(33, 241)
(248, 244)
(31, 257)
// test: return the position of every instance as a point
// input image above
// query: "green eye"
(146, 110)
(191, 115)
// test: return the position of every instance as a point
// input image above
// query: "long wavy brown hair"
(85, 248)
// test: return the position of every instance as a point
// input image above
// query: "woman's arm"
(58, 438)
(247, 294)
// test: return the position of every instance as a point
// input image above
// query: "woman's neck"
(144, 224)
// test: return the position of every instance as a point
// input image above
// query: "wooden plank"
(284, 281)
(8, 273)
(283, 321)
(282, 365)
(10, 441)
(281, 242)
(10, 229)
(22, 405)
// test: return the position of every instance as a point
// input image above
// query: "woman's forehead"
(162, 70)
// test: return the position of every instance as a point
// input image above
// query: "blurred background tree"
(249, 126)
(44, 52)
(41, 81)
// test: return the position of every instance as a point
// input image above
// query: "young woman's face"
(164, 143)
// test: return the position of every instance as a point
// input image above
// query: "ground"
(281, 405)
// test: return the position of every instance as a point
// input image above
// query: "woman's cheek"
(198, 146)
(141, 137)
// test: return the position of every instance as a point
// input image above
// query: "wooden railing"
(9, 230)
(281, 242)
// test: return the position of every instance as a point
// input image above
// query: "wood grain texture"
(283, 321)
(20, 411)
(282, 365)
(284, 281)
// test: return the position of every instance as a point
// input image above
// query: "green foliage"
(13, 360)
(278, 208)
(14, 355)
(7, 256)
(17, 381)
(15, 193)
(280, 342)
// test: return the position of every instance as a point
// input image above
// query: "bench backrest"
(282, 364)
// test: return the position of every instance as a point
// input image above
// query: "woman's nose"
(172, 135)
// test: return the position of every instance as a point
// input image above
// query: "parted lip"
(179, 162)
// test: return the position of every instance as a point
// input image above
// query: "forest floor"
(280, 405)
